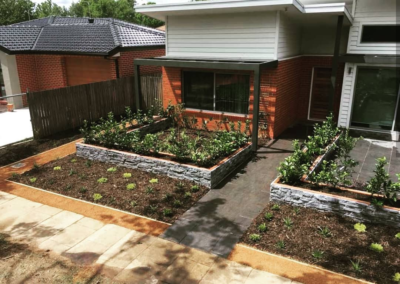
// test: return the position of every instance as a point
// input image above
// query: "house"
(278, 62)
(56, 52)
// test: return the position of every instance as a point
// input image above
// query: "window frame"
(214, 91)
(387, 44)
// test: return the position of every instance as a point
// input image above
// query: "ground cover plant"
(155, 196)
(185, 141)
(370, 252)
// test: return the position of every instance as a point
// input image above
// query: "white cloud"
(68, 3)
(65, 3)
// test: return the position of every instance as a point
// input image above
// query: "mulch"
(79, 177)
(343, 246)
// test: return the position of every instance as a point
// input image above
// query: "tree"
(48, 8)
(15, 11)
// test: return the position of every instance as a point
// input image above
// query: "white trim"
(360, 44)
(277, 30)
(166, 35)
(217, 112)
(304, 55)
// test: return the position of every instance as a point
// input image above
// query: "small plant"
(356, 266)
(187, 195)
(361, 228)
(131, 186)
(324, 231)
(376, 247)
(71, 172)
(83, 190)
(68, 187)
(133, 203)
(195, 188)
(58, 168)
(149, 190)
(127, 175)
(153, 208)
(177, 203)
(180, 187)
(296, 210)
(269, 216)
(73, 161)
(377, 203)
(167, 212)
(97, 197)
(288, 222)
(33, 180)
(153, 181)
(281, 244)
(262, 227)
(397, 236)
(275, 207)
(88, 163)
(15, 175)
(255, 237)
(82, 176)
(102, 180)
(317, 254)
(112, 170)
(167, 196)
(35, 166)
(396, 277)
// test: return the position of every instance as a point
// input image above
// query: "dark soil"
(13, 153)
(343, 246)
(79, 177)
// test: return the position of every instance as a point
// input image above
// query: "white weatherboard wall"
(238, 35)
(347, 97)
(289, 37)
(372, 12)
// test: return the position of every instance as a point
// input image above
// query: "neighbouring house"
(56, 52)
(281, 62)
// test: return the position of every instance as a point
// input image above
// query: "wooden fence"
(57, 110)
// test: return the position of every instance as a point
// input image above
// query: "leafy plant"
(167, 212)
(361, 228)
(255, 237)
(15, 175)
(153, 208)
(73, 160)
(133, 203)
(112, 170)
(288, 222)
(377, 203)
(324, 231)
(177, 203)
(88, 163)
(102, 180)
(131, 186)
(167, 196)
(269, 216)
(149, 190)
(275, 207)
(187, 195)
(356, 266)
(32, 180)
(296, 210)
(68, 187)
(127, 175)
(397, 236)
(71, 172)
(281, 244)
(57, 168)
(317, 254)
(376, 247)
(97, 197)
(396, 277)
(179, 186)
(195, 188)
(83, 189)
(153, 181)
(35, 166)
(293, 168)
(262, 227)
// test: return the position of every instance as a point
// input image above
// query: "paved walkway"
(15, 126)
(122, 254)
(218, 220)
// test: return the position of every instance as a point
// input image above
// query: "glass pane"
(199, 90)
(232, 93)
(381, 34)
(375, 97)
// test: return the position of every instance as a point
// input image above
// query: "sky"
(67, 3)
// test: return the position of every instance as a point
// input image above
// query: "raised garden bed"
(148, 194)
(335, 249)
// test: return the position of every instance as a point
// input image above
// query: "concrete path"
(15, 126)
(218, 220)
(122, 254)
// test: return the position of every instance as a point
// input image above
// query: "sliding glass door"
(376, 98)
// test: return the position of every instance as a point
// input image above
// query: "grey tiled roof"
(76, 35)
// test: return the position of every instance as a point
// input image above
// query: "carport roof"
(104, 36)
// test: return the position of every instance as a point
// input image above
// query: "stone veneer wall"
(345, 207)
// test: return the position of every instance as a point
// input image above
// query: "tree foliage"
(15, 11)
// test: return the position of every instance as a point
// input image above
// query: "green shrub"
(133, 203)
(296, 210)
(149, 190)
(153, 208)
(35, 166)
(255, 237)
(73, 160)
(187, 195)
(275, 207)
(97, 197)
(58, 168)
(153, 181)
(293, 168)
(112, 170)
(356, 266)
(179, 186)
(167, 212)
(288, 222)
(177, 203)
(195, 188)
(71, 172)
(376, 247)
(167, 196)
(262, 227)
(15, 175)
(361, 228)
(127, 175)
(88, 163)
(32, 180)
(269, 216)
(131, 186)
(102, 180)
(396, 277)
(317, 254)
(324, 231)
(281, 244)
(377, 203)
(83, 189)
(68, 187)
(397, 236)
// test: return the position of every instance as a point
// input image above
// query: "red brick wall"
(126, 61)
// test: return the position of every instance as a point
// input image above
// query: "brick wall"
(127, 58)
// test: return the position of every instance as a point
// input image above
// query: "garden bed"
(335, 249)
(154, 196)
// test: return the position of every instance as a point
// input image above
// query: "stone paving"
(122, 254)
(218, 220)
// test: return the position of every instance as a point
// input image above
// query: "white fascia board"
(328, 8)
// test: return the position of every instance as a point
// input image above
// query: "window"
(216, 91)
(381, 34)
(375, 98)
